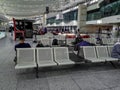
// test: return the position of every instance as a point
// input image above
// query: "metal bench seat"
(45, 57)
(61, 56)
(25, 58)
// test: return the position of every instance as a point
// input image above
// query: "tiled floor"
(98, 76)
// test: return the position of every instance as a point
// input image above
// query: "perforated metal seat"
(61, 56)
(105, 40)
(46, 41)
(109, 49)
(25, 58)
(110, 41)
(90, 54)
(109, 53)
(92, 40)
(45, 57)
(102, 53)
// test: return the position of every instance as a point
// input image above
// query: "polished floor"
(83, 76)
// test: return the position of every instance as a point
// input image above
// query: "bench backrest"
(89, 52)
(25, 55)
(44, 54)
(61, 53)
(102, 51)
(46, 41)
(110, 50)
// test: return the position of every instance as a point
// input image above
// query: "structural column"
(82, 14)
(44, 19)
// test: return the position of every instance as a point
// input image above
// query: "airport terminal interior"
(68, 44)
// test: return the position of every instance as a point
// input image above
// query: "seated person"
(82, 43)
(77, 40)
(21, 44)
(55, 42)
(99, 41)
(39, 44)
(116, 51)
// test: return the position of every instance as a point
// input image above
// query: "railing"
(105, 11)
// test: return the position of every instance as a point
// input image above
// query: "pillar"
(82, 14)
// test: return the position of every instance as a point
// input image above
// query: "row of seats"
(106, 41)
(56, 56)
(98, 53)
(42, 57)
(48, 41)
(47, 36)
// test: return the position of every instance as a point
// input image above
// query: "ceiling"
(26, 8)
(30, 8)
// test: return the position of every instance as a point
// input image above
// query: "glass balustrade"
(105, 11)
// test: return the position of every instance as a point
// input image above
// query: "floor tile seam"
(76, 83)
(97, 80)
(52, 78)
(96, 71)
(84, 72)
(47, 82)
(102, 71)
(104, 83)
(105, 89)
(17, 83)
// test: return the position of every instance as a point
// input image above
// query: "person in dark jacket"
(21, 44)
(55, 42)
(82, 43)
(77, 40)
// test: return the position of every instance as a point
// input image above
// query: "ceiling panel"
(26, 7)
